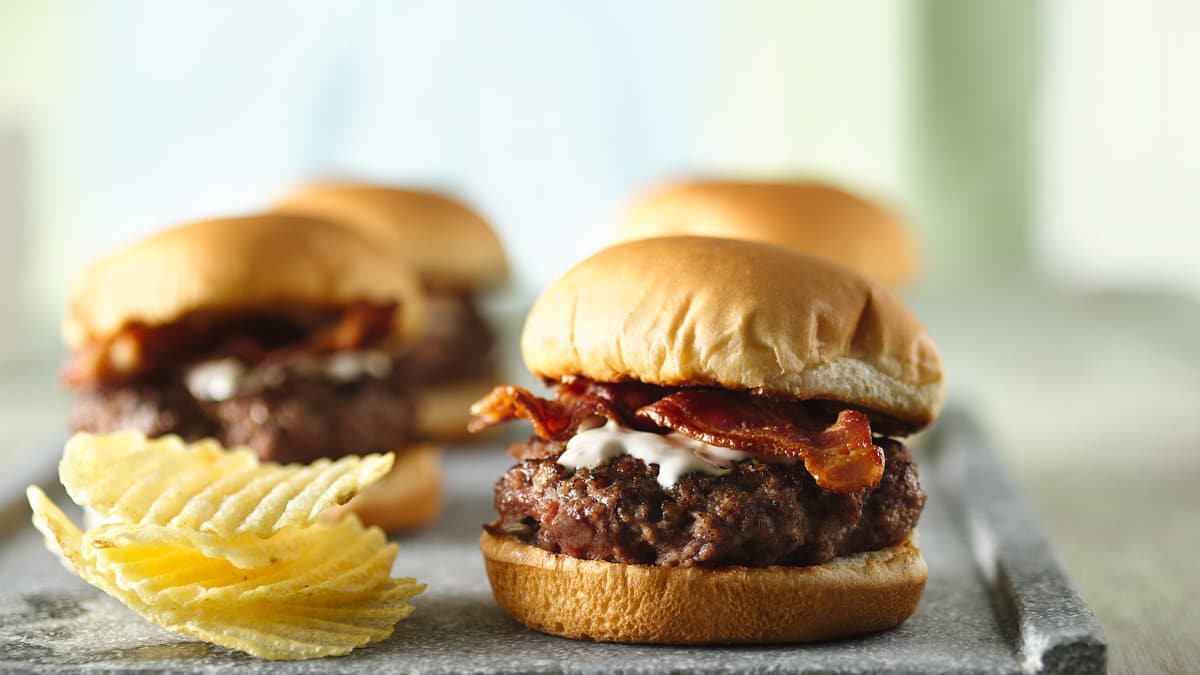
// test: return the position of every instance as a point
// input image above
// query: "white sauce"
(219, 380)
(674, 453)
(347, 366)
(214, 380)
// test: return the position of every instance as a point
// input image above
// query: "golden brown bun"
(409, 496)
(447, 243)
(254, 262)
(694, 311)
(612, 602)
(443, 410)
(812, 217)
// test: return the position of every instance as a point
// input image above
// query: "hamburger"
(457, 257)
(281, 333)
(721, 460)
(816, 218)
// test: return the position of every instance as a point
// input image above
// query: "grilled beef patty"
(457, 344)
(759, 514)
(299, 419)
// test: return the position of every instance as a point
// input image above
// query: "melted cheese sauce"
(674, 453)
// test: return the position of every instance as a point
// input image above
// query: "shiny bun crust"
(612, 602)
(812, 217)
(255, 262)
(445, 241)
(408, 497)
(699, 311)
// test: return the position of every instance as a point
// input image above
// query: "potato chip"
(329, 559)
(246, 551)
(214, 544)
(204, 488)
(329, 609)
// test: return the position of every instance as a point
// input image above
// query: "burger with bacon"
(720, 460)
(282, 333)
(458, 258)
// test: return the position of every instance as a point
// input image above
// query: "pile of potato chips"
(212, 543)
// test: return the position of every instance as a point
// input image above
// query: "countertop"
(1092, 399)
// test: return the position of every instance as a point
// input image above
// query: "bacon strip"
(552, 420)
(841, 457)
(361, 325)
(252, 337)
(559, 419)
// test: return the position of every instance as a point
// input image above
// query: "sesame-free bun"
(816, 218)
(614, 602)
(408, 497)
(448, 244)
(701, 311)
(270, 262)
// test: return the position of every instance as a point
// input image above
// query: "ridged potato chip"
(341, 559)
(213, 544)
(205, 488)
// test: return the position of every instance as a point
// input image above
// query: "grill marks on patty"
(758, 515)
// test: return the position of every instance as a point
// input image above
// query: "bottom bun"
(614, 602)
(444, 410)
(409, 496)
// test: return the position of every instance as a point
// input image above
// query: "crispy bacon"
(252, 337)
(578, 400)
(841, 456)
(552, 420)
(361, 325)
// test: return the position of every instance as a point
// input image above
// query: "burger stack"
(722, 458)
(296, 336)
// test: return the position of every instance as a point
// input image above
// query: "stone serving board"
(998, 600)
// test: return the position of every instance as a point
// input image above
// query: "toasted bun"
(408, 497)
(445, 241)
(443, 410)
(613, 602)
(811, 217)
(699, 311)
(255, 262)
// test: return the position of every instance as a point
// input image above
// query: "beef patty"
(457, 343)
(757, 515)
(298, 419)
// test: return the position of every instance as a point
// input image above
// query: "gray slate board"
(998, 601)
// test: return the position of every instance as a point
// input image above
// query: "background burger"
(815, 218)
(720, 461)
(281, 333)
(457, 256)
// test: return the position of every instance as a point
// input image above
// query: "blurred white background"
(1021, 138)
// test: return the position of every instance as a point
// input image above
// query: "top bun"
(811, 217)
(447, 243)
(700, 311)
(256, 262)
